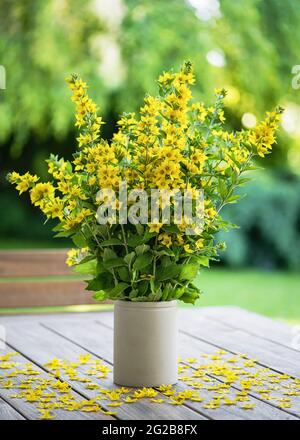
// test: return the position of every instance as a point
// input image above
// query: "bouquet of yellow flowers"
(131, 246)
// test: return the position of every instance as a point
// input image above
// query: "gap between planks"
(255, 397)
(50, 318)
(10, 411)
(208, 343)
(270, 330)
(29, 411)
(60, 347)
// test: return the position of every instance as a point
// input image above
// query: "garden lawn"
(275, 294)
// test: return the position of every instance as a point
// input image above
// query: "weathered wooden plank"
(29, 411)
(268, 353)
(235, 340)
(41, 344)
(31, 263)
(44, 293)
(7, 412)
(255, 324)
(88, 340)
(192, 347)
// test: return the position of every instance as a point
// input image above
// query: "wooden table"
(40, 338)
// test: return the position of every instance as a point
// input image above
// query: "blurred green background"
(120, 47)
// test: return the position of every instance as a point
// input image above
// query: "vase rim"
(145, 304)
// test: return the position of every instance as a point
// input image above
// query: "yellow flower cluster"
(174, 144)
(86, 112)
(23, 183)
(163, 149)
(263, 136)
(215, 380)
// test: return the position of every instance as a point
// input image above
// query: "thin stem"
(124, 238)
(113, 271)
(94, 235)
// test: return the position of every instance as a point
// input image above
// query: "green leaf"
(139, 229)
(179, 292)
(141, 249)
(167, 252)
(135, 240)
(140, 299)
(189, 271)
(109, 254)
(129, 258)
(143, 287)
(142, 261)
(203, 261)
(114, 262)
(133, 294)
(166, 261)
(79, 240)
(190, 297)
(68, 166)
(117, 290)
(155, 285)
(63, 234)
(171, 228)
(112, 242)
(156, 296)
(89, 267)
(123, 273)
(148, 235)
(166, 292)
(222, 188)
(233, 199)
(100, 296)
(100, 230)
(243, 180)
(103, 281)
(168, 272)
(57, 227)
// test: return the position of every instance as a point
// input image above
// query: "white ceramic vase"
(145, 343)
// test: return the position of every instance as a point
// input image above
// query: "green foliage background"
(120, 47)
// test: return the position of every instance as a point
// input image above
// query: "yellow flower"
(84, 358)
(129, 399)
(41, 191)
(210, 212)
(166, 77)
(200, 110)
(155, 227)
(22, 182)
(200, 243)
(188, 249)
(113, 395)
(165, 239)
(54, 208)
(221, 116)
(13, 177)
(145, 392)
(114, 404)
(45, 415)
(248, 406)
(263, 136)
(180, 240)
